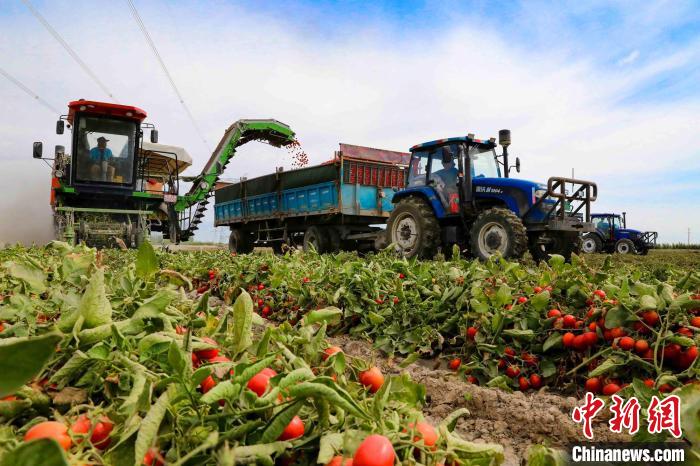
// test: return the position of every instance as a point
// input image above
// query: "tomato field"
(207, 358)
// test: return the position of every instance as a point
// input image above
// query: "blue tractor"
(612, 235)
(459, 192)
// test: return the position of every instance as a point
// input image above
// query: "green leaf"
(548, 368)
(22, 359)
(146, 261)
(330, 315)
(617, 316)
(44, 452)
(646, 303)
(450, 422)
(29, 274)
(606, 366)
(226, 390)
(540, 301)
(540, 455)
(176, 359)
(554, 340)
(526, 335)
(148, 430)
(94, 305)
(279, 421)
(242, 323)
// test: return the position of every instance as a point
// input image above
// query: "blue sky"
(609, 89)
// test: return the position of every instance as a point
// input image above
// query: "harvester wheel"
(498, 231)
(591, 243)
(562, 243)
(315, 238)
(624, 246)
(239, 242)
(413, 228)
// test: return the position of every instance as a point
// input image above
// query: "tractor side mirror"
(517, 164)
(154, 136)
(60, 127)
(38, 150)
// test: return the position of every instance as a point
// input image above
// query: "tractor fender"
(423, 192)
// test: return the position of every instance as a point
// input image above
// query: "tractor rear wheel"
(413, 228)
(624, 246)
(562, 243)
(591, 243)
(239, 242)
(315, 238)
(498, 231)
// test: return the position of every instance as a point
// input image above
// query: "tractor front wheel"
(498, 231)
(591, 243)
(624, 246)
(413, 229)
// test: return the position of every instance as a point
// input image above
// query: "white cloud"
(368, 87)
(629, 58)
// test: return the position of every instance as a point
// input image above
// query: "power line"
(142, 26)
(31, 93)
(68, 49)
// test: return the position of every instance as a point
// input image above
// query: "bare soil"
(515, 420)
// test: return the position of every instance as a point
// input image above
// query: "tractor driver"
(99, 156)
(446, 179)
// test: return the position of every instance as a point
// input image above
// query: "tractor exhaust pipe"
(624, 219)
(504, 141)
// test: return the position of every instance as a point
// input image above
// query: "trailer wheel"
(239, 242)
(562, 243)
(624, 246)
(591, 243)
(413, 228)
(498, 230)
(333, 240)
(315, 238)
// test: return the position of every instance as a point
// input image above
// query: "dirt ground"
(515, 420)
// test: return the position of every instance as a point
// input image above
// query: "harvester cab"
(108, 188)
(612, 235)
(459, 192)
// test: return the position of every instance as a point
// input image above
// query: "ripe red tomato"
(592, 326)
(617, 332)
(207, 384)
(529, 359)
(535, 381)
(665, 388)
(180, 330)
(611, 389)
(501, 363)
(9, 398)
(402, 276)
(372, 378)
(471, 333)
(261, 286)
(694, 322)
(599, 293)
(513, 371)
(554, 313)
(568, 340)
(396, 300)
(509, 352)
(569, 321)
(649, 383)
(81, 425)
(455, 363)
(648, 355)
(522, 300)
(330, 351)
(472, 379)
(294, 429)
(591, 338)
(626, 343)
(2, 327)
(593, 385)
(306, 280)
(50, 429)
(100, 433)
(259, 382)
(524, 384)
(651, 318)
(375, 450)
(340, 461)
(266, 311)
(424, 432)
(537, 289)
(580, 342)
(208, 353)
(153, 458)
(641, 346)
(269, 372)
